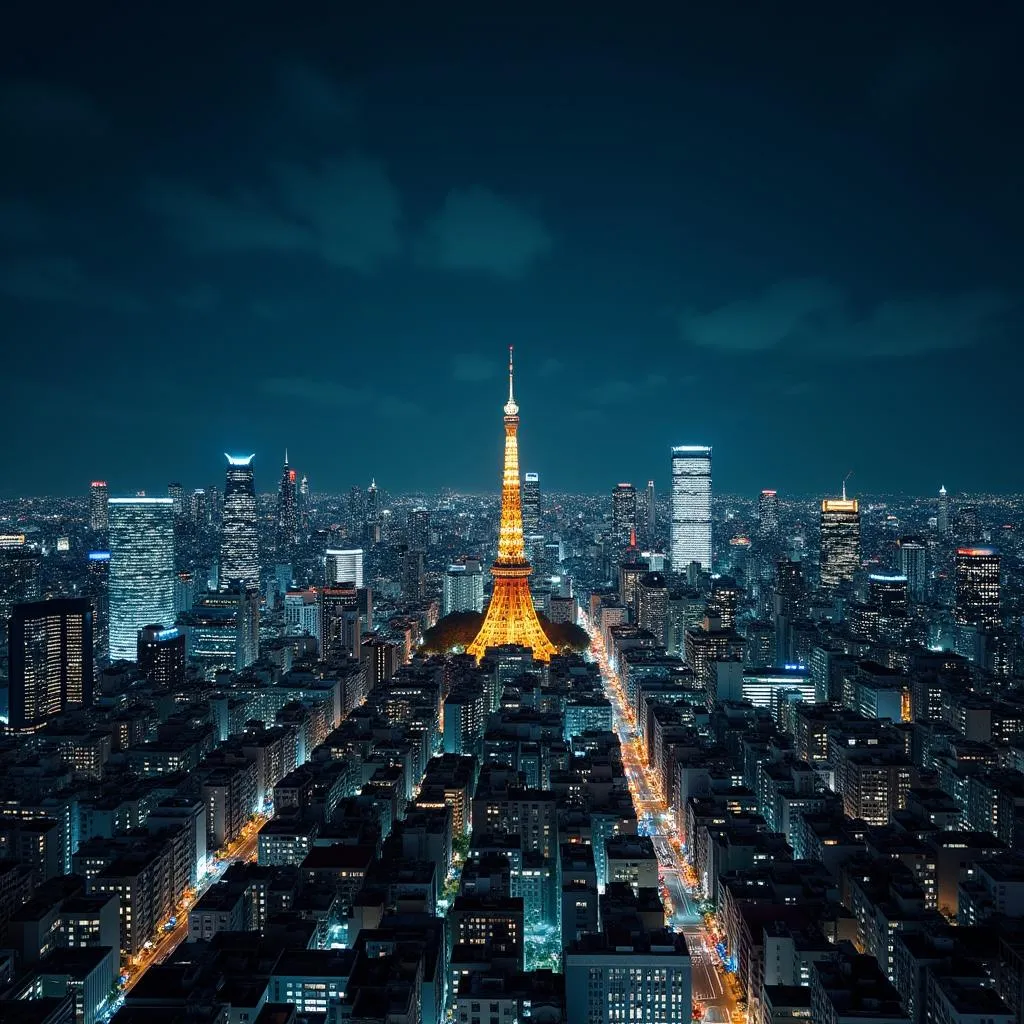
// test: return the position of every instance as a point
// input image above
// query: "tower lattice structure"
(511, 617)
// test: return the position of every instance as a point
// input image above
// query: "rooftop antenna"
(510, 408)
(845, 478)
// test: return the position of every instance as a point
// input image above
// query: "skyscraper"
(691, 506)
(50, 660)
(98, 589)
(162, 655)
(840, 540)
(977, 587)
(768, 515)
(176, 492)
(652, 604)
(463, 587)
(287, 511)
(98, 506)
(19, 573)
(344, 565)
(914, 565)
(239, 548)
(141, 574)
(223, 630)
(419, 529)
(511, 617)
(623, 512)
(942, 519)
(531, 502)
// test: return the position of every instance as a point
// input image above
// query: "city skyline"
(712, 231)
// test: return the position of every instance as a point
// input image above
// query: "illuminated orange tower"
(511, 617)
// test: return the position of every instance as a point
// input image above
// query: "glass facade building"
(691, 506)
(530, 500)
(840, 541)
(239, 545)
(51, 660)
(977, 587)
(344, 565)
(141, 573)
(98, 506)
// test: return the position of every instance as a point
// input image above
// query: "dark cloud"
(201, 298)
(335, 395)
(815, 316)
(19, 221)
(63, 281)
(478, 230)
(471, 367)
(345, 211)
(48, 110)
(315, 97)
(624, 390)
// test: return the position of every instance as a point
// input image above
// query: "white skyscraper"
(463, 587)
(345, 565)
(141, 575)
(691, 506)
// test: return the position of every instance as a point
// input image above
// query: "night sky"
(796, 238)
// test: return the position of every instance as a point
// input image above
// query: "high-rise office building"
(50, 660)
(645, 516)
(176, 492)
(977, 587)
(161, 655)
(623, 512)
(768, 515)
(19, 573)
(419, 529)
(840, 540)
(914, 565)
(141, 578)
(98, 588)
(344, 565)
(531, 502)
(340, 622)
(651, 601)
(968, 527)
(239, 546)
(942, 518)
(463, 588)
(200, 508)
(888, 593)
(98, 506)
(223, 631)
(287, 511)
(691, 506)
(413, 581)
(184, 591)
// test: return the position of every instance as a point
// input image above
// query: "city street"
(709, 986)
(242, 849)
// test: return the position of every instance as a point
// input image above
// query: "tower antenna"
(845, 478)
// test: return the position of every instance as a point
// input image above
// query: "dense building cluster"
(785, 781)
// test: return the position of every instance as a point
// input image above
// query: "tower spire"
(286, 456)
(511, 409)
(511, 617)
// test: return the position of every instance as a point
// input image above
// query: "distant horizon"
(784, 496)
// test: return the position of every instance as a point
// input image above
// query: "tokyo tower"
(511, 617)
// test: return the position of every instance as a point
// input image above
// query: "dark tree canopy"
(459, 629)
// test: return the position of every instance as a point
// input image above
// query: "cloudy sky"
(250, 226)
